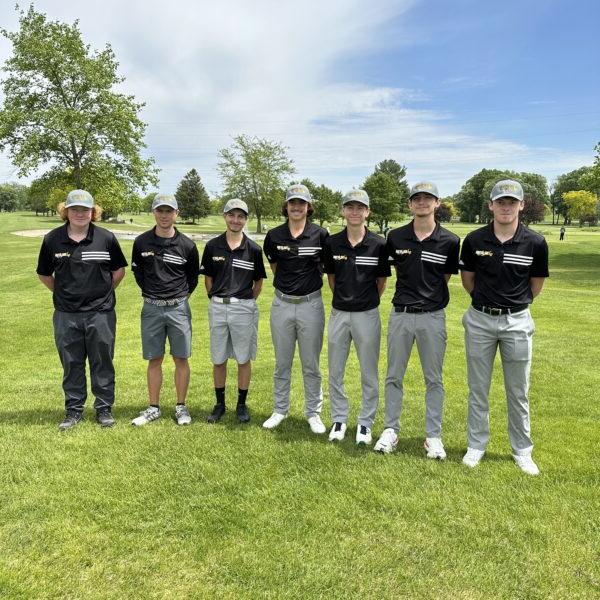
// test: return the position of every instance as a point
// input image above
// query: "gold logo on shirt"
(484, 253)
(284, 248)
(219, 258)
(149, 253)
(340, 257)
(404, 251)
(62, 255)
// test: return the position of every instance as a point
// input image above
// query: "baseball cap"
(235, 203)
(356, 196)
(79, 198)
(164, 200)
(298, 191)
(425, 187)
(507, 188)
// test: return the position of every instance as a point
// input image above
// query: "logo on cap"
(426, 187)
(507, 188)
(356, 196)
(298, 191)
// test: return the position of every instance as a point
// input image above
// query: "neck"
(505, 231)
(356, 233)
(297, 226)
(165, 233)
(78, 230)
(424, 226)
(234, 238)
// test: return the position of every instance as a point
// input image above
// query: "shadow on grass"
(53, 416)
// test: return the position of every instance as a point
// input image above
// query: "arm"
(331, 280)
(536, 284)
(257, 288)
(447, 277)
(117, 277)
(468, 280)
(136, 265)
(381, 283)
(192, 270)
(48, 281)
(273, 267)
(208, 281)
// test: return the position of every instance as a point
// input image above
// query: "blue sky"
(443, 87)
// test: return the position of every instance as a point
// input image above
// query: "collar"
(489, 235)
(434, 236)
(64, 233)
(366, 241)
(168, 241)
(304, 233)
(222, 242)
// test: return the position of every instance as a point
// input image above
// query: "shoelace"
(149, 412)
(363, 430)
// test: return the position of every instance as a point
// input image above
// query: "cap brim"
(72, 204)
(298, 198)
(506, 196)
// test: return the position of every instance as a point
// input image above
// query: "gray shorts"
(233, 331)
(160, 322)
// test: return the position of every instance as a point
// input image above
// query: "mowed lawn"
(238, 512)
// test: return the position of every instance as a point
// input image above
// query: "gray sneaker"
(182, 415)
(72, 418)
(146, 416)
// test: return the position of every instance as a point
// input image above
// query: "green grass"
(237, 512)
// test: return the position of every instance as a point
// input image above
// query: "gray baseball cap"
(425, 187)
(79, 198)
(298, 191)
(235, 203)
(356, 196)
(507, 188)
(164, 200)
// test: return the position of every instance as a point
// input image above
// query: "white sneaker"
(182, 415)
(363, 435)
(274, 420)
(472, 457)
(388, 441)
(316, 425)
(338, 431)
(147, 416)
(435, 448)
(526, 464)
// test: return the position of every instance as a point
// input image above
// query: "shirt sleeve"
(206, 265)
(45, 264)
(539, 266)
(192, 269)
(452, 260)
(269, 249)
(324, 237)
(117, 258)
(383, 265)
(328, 262)
(467, 257)
(136, 264)
(259, 265)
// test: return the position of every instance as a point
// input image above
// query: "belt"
(167, 302)
(496, 312)
(411, 310)
(297, 299)
(220, 300)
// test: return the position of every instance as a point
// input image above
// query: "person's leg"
(182, 378)
(283, 335)
(310, 325)
(481, 340)
(220, 375)
(431, 339)
(154, 378)
(338, 349)
(516, 344)
(400, 339)
(366, 333)
(244, 375)
(100, 331)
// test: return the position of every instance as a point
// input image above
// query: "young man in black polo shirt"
(357, 266)
(294, 251)
(503, 267)
(233, 270)
(165, 264)
(425, 256)
(81, 265)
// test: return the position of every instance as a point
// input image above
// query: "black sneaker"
(72, 417)
(242, 413)
(217, 413)
(104, 418)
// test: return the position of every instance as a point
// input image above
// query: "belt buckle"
(226, 300)
(296, 300)
(495, 312)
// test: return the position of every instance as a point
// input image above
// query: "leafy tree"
(398, 173)
(39, 192)
(56, 196)
(254, 170)
(147, 202)
(133, 203)
(582, 205)
(385, 198)
(569, 182)
(192, 198)
(444, 212)
(534, 210)
(591, 179)
(60, 106)
(327, 203)
(13, 196)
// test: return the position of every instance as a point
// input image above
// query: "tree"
(39, 192)
(13, 196)
(385, 198)
(444, 212)
(579, 179)
(147, 202)
(582, 205)
(192, 198)
(591, 179)
(254, 170)
(327, 203)
(534, 210)
(398, 173)
(60, 107)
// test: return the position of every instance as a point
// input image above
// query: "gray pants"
(429, 332)
(514, 335)
(303, 322)
(364, 328)
(88, 335)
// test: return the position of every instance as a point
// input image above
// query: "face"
(506, 210)
(355, 213)
(297, 209)
(423, 204)
(235, 220)
(165, 216)
(79, 215)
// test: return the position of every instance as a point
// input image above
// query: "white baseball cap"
(79, 198)
(164, 200)
(235, 203)
(356, 196)
(298, 191)
(507, 188)
(424, 187)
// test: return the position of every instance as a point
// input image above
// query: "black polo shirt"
(502, 270)
(356, 269)
(165, 268)
(421, 266)
(299, 270)
(82, 270)
(233, 271)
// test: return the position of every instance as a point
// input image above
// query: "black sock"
(220, 394)
(155, 406)
(181, 404)
(242, 394)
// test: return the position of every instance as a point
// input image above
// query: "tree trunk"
(258, 223)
